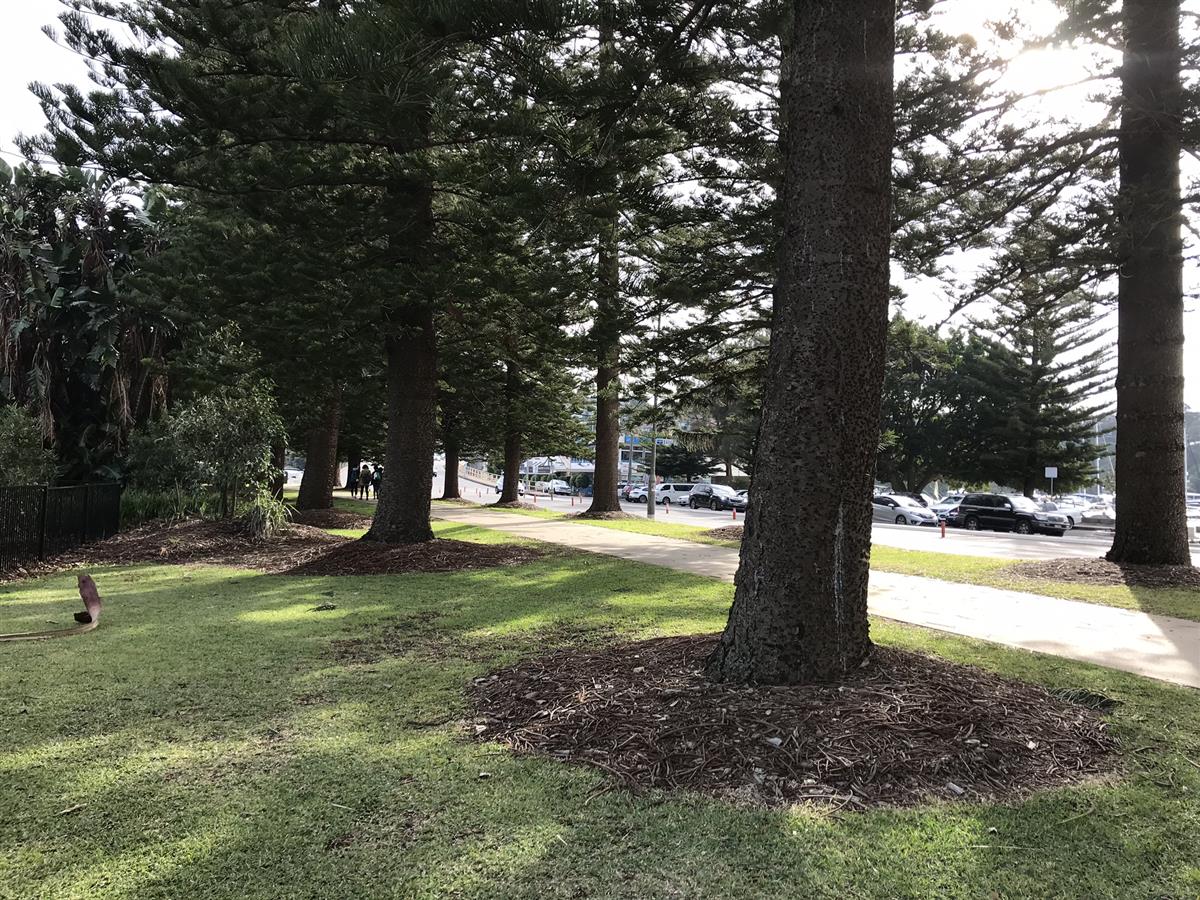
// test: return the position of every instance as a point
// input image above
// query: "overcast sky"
(27, 55)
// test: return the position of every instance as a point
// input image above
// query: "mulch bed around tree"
(518, 504)
(612, 515)
(728, 533)
(196, 541)
(1101, 571)
(373, 558)
(330, 518)
(904, 729)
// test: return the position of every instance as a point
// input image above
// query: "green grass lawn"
(1180, 602)
(207, 742)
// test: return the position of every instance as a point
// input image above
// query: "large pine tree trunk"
(606, 337)
(450, 489)
(1151, 518)
(800, 607)
(607, 325)
(402, 514)
(321, 457)
(510, 490)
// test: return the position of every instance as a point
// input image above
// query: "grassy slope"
(211, 746)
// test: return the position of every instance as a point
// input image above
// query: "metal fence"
(37, 522)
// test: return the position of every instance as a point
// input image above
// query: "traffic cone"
(943, 524)
(734, 511)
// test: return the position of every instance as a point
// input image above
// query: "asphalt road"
(1078, 543)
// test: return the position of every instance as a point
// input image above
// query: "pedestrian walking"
(364, 482)
(352, 481)
(377, 480)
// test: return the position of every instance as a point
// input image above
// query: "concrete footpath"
(1155, 646)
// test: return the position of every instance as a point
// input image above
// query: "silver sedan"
(901, 511)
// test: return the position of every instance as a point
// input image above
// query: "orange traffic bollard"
(943, 524)
(734, 511)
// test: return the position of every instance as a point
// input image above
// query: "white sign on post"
(1051, 472)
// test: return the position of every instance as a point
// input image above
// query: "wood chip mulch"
(374, 558)
(1101, 571)
(330, 518)
(728, 533)
(195, 541)
(904, 729)
(611, 516)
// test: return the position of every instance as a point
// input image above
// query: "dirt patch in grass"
(1103, 572)
(611, 516)
(518, 504)
(728, 533)
(375, 558)
(904, 729)
(196, 541)
(330, 518)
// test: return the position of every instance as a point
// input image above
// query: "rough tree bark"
(800, 608)
(1151, 513)
(402, 514)
(510, 490)
(606, 327)
(606, 335)
(321, 457)
(450, 489)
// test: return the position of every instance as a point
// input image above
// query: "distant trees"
(998, 405)
(677, 462)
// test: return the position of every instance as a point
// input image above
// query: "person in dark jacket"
(377, 480)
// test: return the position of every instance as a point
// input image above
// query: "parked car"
(500, 486)
(902, 510)
(947, 505)
(664, 494)
(557, 486)
(922, 499)
(715, 496)
(997, 512)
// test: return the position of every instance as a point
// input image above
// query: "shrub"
(265, 516)
(24, 458)
(141, 505)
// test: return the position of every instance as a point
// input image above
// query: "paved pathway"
(1155, 646)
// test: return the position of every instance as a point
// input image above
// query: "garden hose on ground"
(88, 619)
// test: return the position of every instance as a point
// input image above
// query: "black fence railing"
(37, 522)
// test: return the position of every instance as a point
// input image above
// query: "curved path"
(1154, 646)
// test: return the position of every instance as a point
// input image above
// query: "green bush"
(265, 516)
(23, 456)
(141, 505)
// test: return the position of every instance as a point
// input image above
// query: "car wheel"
(693, 504)
(1023, 528)
(900, 520)
(1070, 522)
(972, 523)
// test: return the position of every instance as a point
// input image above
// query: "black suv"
(996, 512)
(715, 496)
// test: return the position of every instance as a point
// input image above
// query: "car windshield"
(724, 490)
(1024, 504)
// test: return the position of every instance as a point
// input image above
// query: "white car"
(500, 486)
(669, 494)
(943, 507)
(901, 511)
